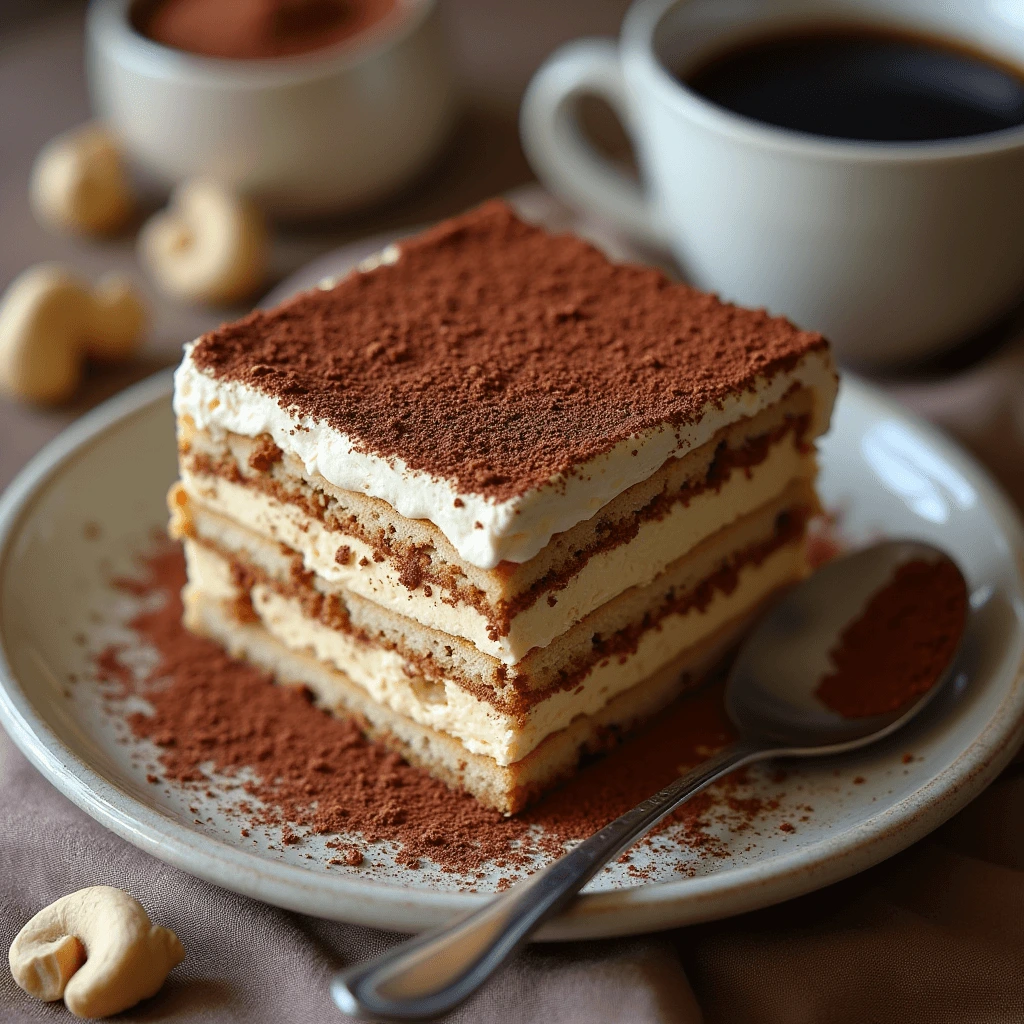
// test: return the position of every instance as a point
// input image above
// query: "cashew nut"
(207, 246)
(97, 949)
(51, 321)
(79, 183)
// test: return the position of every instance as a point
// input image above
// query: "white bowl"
(320, 133)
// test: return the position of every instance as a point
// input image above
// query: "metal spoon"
(770, 697)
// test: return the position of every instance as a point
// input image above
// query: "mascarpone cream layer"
(484, 531)
(657, 544)
(478, 725)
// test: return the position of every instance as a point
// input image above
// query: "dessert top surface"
(497, 356)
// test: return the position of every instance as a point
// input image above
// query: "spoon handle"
(432, 973)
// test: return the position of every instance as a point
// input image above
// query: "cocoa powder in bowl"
(260, 29)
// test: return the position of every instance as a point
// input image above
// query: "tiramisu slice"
(495, 495)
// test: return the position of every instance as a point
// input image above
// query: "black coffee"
(866, 84)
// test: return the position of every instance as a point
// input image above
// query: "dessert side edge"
(500, 498)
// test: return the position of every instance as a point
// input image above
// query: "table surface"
(496, 46)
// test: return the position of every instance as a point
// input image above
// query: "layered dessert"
(497, 497)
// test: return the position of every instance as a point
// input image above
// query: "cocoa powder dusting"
(110, 669)
(496, 355)
(901, 643)
(316, 774)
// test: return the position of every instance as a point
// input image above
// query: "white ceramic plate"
(887, 472)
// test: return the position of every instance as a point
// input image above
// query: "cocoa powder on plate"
(310, 772)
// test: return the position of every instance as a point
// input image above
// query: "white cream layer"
(658, 543)
(479, 726)
(483, 531)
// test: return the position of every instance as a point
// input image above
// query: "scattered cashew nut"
(209, 245)
(79, 183)
(97, 949)
(51, 321)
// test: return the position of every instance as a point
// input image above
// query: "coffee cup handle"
(558, 150)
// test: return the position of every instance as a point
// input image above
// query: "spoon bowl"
(770, 695)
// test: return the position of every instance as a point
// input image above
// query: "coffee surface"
(864, 84)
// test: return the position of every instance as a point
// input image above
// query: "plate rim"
(642, 908)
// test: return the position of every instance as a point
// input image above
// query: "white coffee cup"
(894, 251)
